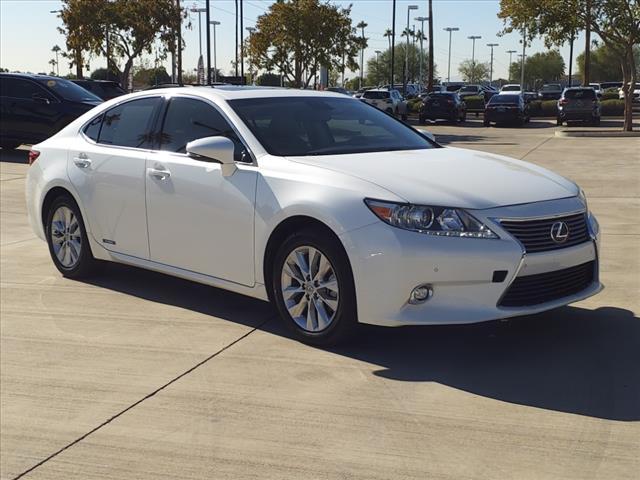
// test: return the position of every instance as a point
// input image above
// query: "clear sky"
(28, 31)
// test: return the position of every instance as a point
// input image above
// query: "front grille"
(545, 287)
(535, 235)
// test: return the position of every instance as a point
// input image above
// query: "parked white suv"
(389, 101)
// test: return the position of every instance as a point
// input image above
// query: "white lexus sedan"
(331, 209)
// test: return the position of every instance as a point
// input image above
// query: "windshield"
(505, 99)
(301, 126)
(69, 90)
(511, 88)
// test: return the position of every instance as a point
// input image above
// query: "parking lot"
(138, 375)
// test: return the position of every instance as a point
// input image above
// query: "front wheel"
(312, 286)
(67, 239)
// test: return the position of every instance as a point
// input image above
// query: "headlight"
(583, 198)
(442, 221)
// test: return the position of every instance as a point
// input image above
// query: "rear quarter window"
(130, 124)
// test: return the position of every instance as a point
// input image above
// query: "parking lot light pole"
(450, 29)
(510, 52)
(199, 11)
(250, 30)
(393, 42)
(491, 45)
(378, 52)
(421, 20)
(406, 53)
(473, 38)
(215, 65)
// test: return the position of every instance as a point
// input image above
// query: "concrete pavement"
(139, 375)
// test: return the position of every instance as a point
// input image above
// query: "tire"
(336, 306)
(71, 254)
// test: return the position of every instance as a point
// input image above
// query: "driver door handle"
(159, 174)
(82, 161)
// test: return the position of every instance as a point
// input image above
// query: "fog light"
(420, 294)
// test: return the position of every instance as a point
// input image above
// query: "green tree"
(150, 76)
(616, 22)
(379, 69)
(132, 26)
(103, 74)
(268, 80)
(296, 37)
(539, 68)
(474, 72)
(605, 65)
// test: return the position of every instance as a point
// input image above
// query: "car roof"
(33, 76)
(235, 92)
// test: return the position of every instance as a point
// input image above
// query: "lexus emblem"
(559, 232)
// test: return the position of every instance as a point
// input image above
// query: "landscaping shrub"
(414, 105)
(609, 108)
(474, 103)
(610, 95)
(543, 108)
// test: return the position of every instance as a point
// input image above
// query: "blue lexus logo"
(559, 232)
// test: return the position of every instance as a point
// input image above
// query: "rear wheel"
(67, 239)
(313, 288)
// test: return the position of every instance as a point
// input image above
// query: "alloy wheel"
(65, 237)
(310, 288)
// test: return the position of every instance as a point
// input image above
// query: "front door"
(199, 220)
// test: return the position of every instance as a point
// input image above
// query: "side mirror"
(36, 97)
(215, 149)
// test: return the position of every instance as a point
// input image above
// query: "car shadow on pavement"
(571, 360)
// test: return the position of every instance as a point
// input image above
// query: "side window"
(188, 119)
(21, 88)
(130, 124)
(93, 129)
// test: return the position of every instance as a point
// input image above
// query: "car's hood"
(451, 177)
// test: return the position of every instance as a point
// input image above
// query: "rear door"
(29, 112)
(107, 167)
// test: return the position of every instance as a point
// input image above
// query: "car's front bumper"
(388, 263)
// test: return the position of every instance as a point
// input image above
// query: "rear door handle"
(82, 161)
(159, 174)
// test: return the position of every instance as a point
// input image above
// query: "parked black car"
(443, 105)
(579, 103)
(34, 107)
(505, 108)
(105, 89)
(550, 91)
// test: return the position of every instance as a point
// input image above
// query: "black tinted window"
(93, 129)
(375, 95)
(69, 90)
(505, 99)
(21, 88)
(324, 126)
(130, 124)
(188, 119)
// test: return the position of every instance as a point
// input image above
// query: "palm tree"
(53, 63)
(55, 50)
(362, 25)
(388, 33)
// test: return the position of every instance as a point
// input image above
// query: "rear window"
(511, 88)
(470, 88)
(441, 96)
(551, 88)
(130, 124)
(376, 95)
(505, 99)
(586, 93)
(453, 88)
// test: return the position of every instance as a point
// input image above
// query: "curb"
(595, 133)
